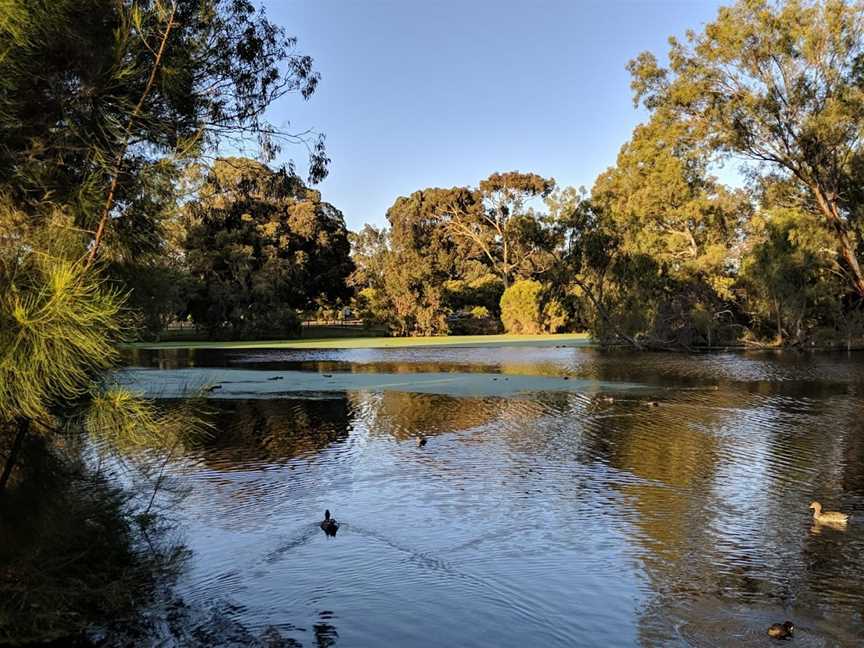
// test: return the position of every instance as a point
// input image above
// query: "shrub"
(522, 307)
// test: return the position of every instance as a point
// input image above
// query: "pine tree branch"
(121, 154)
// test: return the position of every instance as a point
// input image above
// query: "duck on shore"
(781, 630)
(329, 525)
(831, 518)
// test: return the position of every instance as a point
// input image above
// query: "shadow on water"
(546, 518)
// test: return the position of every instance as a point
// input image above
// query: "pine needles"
(60, 325)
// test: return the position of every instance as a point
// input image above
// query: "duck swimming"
(421, 441)
(781, 630)
(832, 518)
(329, 525)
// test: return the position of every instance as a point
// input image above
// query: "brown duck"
(831, 518)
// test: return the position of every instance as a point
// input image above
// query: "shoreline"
(467, 341)
(575, 340)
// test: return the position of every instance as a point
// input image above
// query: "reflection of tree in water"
(275, 429)
(833, 563)
(720, 476)
(853, 454)
(175, 358)
(393, 367)
(325, 635)
(670, 503)
(404, 415)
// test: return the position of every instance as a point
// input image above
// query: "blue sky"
(438, 93)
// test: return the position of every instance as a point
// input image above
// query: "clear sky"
(437, 93)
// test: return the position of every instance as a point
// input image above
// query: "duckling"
(329, 525)
(832, 518)
(421, 441)
(781, 630)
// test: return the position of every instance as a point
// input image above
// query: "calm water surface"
(531, 518)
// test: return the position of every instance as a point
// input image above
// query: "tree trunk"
(828, 205)
(605, 316)
(506, 265)
(23, 426)
(779, 323)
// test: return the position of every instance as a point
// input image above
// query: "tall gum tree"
(423, 257)
(261, 243)
(500, 226)
(780, 84)
(661, 201)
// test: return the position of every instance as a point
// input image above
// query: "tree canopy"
(98, 95)
(450, 253)
(102, 105)
(780, 84)
(261, 245)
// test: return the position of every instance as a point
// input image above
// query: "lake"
(565, 497)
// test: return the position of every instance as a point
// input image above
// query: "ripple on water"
(543, 518)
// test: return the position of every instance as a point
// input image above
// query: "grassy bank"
(569, 339)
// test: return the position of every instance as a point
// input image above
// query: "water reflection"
(325, 635)
(250, 432)
(405, 415)
(551, 518)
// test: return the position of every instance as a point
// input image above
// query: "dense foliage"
(259, 246)
(103, 106)
(781, 84)
(522, 307)
(450, 253)
(660, 253)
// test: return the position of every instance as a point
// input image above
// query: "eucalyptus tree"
(422, 258)
(261, 245)
(677, 232)
(500, 226)
(780, 84)
(662, 200)
(788, 279)
(587, 262)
